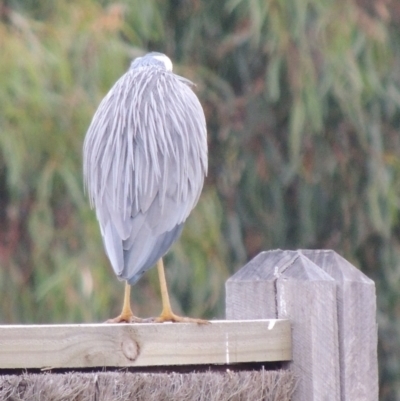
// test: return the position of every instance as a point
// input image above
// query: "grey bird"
(144, 163)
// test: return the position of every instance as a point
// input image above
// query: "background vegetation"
(302, 100)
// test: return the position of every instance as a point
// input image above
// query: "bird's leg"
(126, 315)
(167, 315)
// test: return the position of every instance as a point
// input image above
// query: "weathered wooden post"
(332, 309)
(358, 336)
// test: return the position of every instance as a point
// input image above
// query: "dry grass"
(277, 385)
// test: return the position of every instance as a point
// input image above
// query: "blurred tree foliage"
(302, 100)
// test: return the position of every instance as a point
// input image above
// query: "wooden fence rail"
(144, 344)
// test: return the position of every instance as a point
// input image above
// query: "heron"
(144, 163)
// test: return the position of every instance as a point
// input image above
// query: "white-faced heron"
(145, 159)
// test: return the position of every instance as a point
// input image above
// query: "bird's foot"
(125, 318)
(171, 317)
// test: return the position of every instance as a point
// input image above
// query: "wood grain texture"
(356, 302)
(114, 345)
(307, 295)
(300, 291)
(250, 292)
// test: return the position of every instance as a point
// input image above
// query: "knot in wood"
(130, 348)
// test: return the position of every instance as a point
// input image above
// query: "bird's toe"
(125, 319)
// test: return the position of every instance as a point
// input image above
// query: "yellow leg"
(167, 315)
(126, 315)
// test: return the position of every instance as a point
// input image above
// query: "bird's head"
(153, 59)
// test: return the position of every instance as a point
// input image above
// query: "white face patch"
(166, 60)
